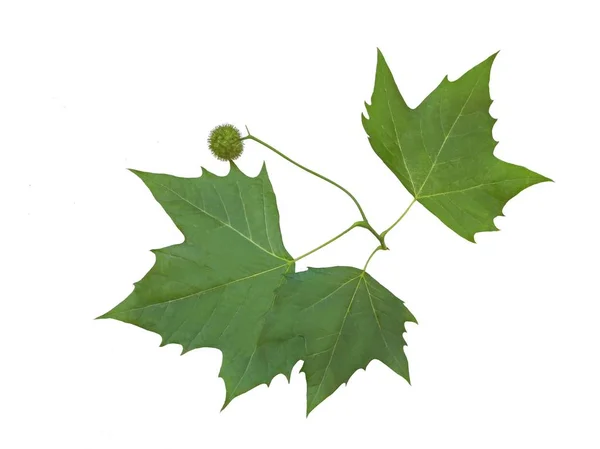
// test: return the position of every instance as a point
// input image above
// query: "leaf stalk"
(365, 222)
(370, 257)
(341, 234)
(384, 233)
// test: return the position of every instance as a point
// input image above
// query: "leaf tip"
(489, 61)
(140, 174)
(263, 170)
(233, 167)
(364, 120)
(108, 315)
(380, 57)
(410, 318)
(309, 410)
(207, 173)
(546, 179)
(185, 350)
(226, 403)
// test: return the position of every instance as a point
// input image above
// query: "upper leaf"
(346, 319)
(442, 151)
(215, 288)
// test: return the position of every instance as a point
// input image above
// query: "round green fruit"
(225, 142)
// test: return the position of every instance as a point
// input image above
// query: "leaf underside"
(346, 319)
(442, 151)
(215, 288)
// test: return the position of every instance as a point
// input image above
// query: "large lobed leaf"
(215, 288)
(346, 319)
(442, 151)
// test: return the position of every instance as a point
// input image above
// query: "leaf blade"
(444, 148)
(216, 288)
(346, 319)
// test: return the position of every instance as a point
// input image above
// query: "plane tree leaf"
(442, 151)
(215, 288)
(346, 319)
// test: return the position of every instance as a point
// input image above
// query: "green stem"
(365, 223)
(370, 257)
(384, 233)
(341, 234)
(312, 172)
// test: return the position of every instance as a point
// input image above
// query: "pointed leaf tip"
(138, 173)
(380, 58)
(263, 173)
(490, 59)
(233, 166)
(207, 173)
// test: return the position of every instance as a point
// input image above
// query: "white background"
(506, 352)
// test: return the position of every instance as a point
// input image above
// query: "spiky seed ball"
(224, 142)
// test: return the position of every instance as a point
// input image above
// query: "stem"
(341, 234)
(370, 257)
(365, 223)
(384, 233)
(312, 172)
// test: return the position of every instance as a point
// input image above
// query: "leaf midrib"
(387, 98)
(393, 354)
(219, 220)
(446, 137)
(230, 396)
(360, 278)
(201, 292)
(483, 184)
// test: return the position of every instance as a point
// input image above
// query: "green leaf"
(346, 319)
(442, 151)
(215, 288)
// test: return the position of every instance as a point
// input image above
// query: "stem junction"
(364, 223)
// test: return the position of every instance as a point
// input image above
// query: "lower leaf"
(346, 319)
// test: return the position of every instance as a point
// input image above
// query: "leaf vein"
(360, 277)
(447, 136)
(219, 220)
(201, 292)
